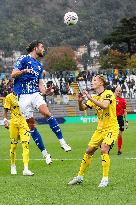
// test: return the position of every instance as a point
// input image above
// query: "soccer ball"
(70, 18)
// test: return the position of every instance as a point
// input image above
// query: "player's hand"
(49, 91)
(6, 123)
(80, 97)
(27, 70)
(86, 95)
(126, 124)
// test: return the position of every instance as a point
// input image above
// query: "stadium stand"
(66, 85)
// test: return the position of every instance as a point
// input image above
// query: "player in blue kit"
(29, 87)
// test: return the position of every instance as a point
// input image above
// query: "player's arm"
(43, 89)
(126, 118)
(81, 105)
(7, 107)
(104, 104)
(20, 67)
(16, 72)
(5, 116)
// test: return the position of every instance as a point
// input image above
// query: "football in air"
(70, 18)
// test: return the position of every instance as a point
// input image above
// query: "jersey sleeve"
(7, 104)
(20, 62)
(41, 74)
(41, 71)
(108, 95)
(124, 104)
(89, 104)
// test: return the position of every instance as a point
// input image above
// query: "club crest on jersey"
(39, 67)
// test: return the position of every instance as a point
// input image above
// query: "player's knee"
(13, 148)
(105, 149)
(44, 111)
(13, 145)
(31, 123)
(25, 145)
(90, 150)
(47, 114)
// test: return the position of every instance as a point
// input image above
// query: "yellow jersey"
(107, 118)
(11, 103)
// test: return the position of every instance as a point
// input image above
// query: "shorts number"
(109, 134)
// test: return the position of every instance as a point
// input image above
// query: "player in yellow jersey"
(19, 130)
(107, 130)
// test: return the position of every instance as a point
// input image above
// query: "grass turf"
(49, 184)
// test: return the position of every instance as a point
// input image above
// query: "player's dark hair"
(32, 45)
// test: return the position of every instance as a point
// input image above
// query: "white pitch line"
(43, 159)
(63, 159)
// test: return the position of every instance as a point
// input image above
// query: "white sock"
(13, 165)
(105, 178)
(62, 141)
(44, 152)
(25, 168)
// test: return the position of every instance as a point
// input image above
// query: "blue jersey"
(28, 83)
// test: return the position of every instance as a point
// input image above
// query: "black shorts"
(121, 123)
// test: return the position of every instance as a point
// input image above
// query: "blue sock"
(37, 139)
(55, 127)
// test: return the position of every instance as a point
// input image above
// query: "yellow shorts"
(19, 130)
(104, 137)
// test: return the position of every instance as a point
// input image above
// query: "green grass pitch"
(49, 184)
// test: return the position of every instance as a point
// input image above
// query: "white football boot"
(104, 182)
(64, 145)
(27, 173)
(48, 159)
(76, 180)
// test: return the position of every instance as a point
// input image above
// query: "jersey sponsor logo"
(108, 96)
(34, 72)
(107, 114)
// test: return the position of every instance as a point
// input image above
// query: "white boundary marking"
(65, 159)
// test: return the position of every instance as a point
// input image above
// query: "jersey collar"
(100, 93)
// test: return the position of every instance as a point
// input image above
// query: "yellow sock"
(105, 164)
(13, 148)
(85, 163)
(25, 154)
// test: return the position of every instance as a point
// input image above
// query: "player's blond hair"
(103, 79)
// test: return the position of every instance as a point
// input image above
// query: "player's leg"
(121, 129)
(43, 109)
(86, 161)
(109, 139)
(40, 104)
(25, 137)
(26, 107)
(120, 142)
(14, 135)
(105, 164)
(13, 148)
(87, 158)
(38, 140)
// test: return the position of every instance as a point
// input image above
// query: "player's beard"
(40, 54)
